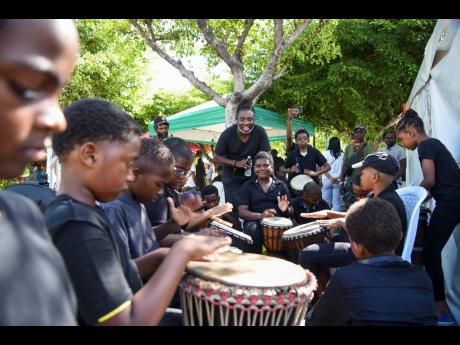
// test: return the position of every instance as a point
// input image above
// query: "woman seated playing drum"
(261, 197)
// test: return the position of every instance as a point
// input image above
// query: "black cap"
(160, 120)
(380, 161)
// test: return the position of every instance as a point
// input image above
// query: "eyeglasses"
(182, 172)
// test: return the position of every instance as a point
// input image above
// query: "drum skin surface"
(251, 270)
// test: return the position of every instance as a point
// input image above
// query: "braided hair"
(334, 147)
(409, 118)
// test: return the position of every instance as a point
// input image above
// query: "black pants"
(252, 228)
(232, 191)
(325, 255)
(442, 223)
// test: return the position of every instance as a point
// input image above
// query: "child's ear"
(89, 153)
(136, 172)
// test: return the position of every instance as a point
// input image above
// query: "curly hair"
(209, 190)
(410, 118)
(244, 105)
(179, 148)
(374, 223)
(93, 119)
(153, 154)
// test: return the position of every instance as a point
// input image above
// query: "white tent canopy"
(436, 98)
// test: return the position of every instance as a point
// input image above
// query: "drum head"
(303, 229)
(277, 222)
(299, 181)
(249, 270)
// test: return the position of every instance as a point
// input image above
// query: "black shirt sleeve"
(289, 162)
(332, 308)
(426, 151)
(120, 225)
(320, 159)
(94, 268)
(264, 142)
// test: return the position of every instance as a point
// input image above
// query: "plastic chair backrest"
(412, 197)
(220, 188)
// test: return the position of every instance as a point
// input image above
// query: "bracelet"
(234, 163)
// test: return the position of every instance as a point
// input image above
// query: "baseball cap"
(159, 120)
(380, 161)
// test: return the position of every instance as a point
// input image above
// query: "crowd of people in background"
(129, 215)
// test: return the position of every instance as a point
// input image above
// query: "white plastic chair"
(412, 197)
(220, 188)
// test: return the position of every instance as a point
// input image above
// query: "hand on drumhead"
(221, 209)
(283, 203)
(270, 212)
(203, 247)
(209, 232)
(333, 224)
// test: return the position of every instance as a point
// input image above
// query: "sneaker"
(446, 319)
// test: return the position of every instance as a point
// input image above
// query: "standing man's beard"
(162, 135)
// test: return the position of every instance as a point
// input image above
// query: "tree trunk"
(230, 111)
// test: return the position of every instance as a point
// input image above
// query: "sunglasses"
(182, 172)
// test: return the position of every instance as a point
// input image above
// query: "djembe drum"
(245, 290)
(298, 182)
(303, 235)
(272, 230)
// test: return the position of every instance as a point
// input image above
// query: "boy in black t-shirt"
(128, 216)
(310, 201)
(97, 152)
(304, 158)
(441, 177)
(379, 288)
(35, 287)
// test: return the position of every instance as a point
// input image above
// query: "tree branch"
(242, 38)
(266, 78)
(219, 46)
(189, 75)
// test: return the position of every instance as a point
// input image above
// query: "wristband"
(234, 163)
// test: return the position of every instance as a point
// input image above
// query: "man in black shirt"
(262, 196)
(238, 142)
(379, 288)
(304, 158)
(441, 177)
(36, 61)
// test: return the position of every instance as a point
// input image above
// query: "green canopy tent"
(204, 123)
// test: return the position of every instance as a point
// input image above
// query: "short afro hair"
(312, 188)
(209, 190)
(93, 119)
(410, 118)
(179, 148)
(375, 224)
(153, 154)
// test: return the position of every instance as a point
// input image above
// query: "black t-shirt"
(389, 194)
(381, 290)
(252, 194)
(300, 206)
(446, 190)
(35, 287)
(103, 275)
(309, 161)
(158, 210)
(230, 146)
